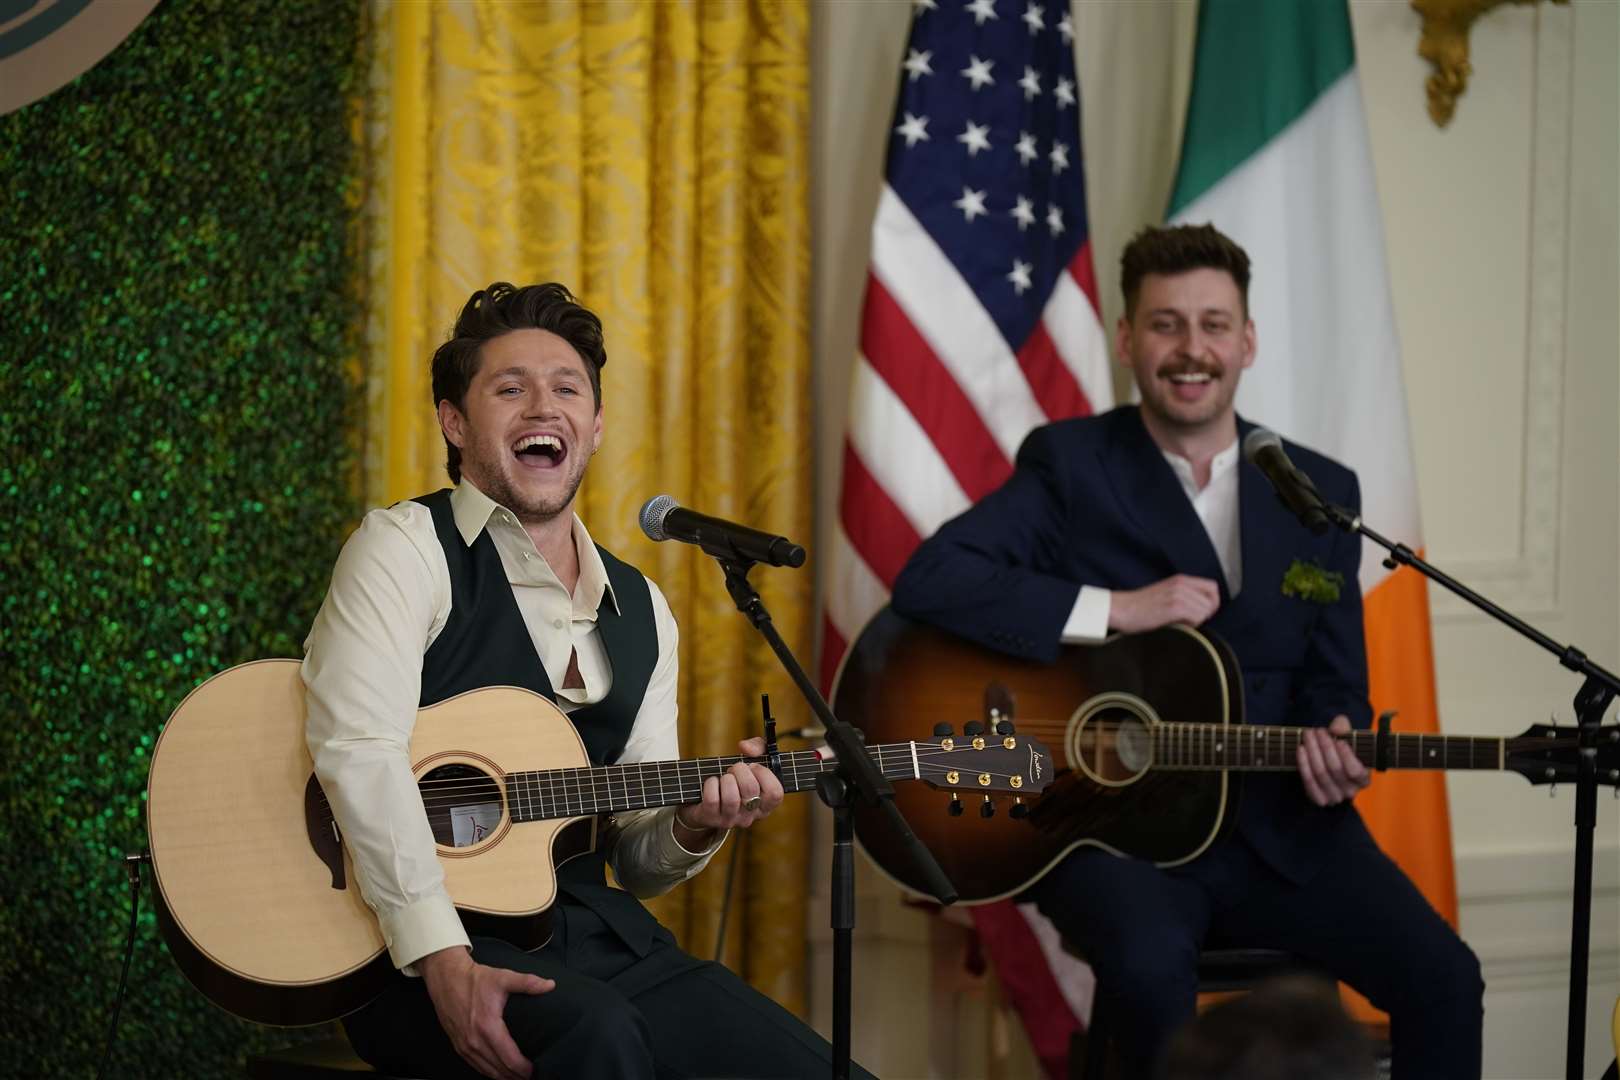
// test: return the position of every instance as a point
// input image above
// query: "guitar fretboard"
(1265, 748)
(560, 793)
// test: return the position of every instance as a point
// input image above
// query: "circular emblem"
(46, 44)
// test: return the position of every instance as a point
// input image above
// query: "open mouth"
(540, 451)
(1189, 384)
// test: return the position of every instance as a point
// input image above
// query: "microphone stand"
(856, 777)
(1598, 689)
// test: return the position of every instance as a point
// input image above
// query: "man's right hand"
(470, 999)
(1182, 598)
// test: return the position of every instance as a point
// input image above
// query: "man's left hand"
(738, 798)
(1330, 769)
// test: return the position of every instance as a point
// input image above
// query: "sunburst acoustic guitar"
(1150, 742)
(255, 894)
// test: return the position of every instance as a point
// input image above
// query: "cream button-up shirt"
(1217, 508)
(388, 601)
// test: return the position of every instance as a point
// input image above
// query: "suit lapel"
(1148, 489)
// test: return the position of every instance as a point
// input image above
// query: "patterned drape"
(654, 157)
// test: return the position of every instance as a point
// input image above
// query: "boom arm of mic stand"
(854, 763)
(1568, 655)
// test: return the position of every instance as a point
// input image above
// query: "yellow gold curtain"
(654, 157)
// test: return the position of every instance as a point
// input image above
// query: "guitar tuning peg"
(1019, 811)
(955, 808)
(987, 809)
(973, 727)
(943, 729)
(1005, 727)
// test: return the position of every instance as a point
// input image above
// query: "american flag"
(981, 322)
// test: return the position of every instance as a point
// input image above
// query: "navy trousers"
(613, 1015)
(1142, 928)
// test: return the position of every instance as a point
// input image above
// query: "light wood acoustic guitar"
(1150, 741)
(255, 894)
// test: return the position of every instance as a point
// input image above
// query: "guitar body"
(904, 675)
(258, 901)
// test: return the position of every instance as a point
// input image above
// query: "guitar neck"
(608, 789)
(1263, 748)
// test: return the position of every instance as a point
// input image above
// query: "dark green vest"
(485, 643)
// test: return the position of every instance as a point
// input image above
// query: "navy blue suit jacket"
(1093, 502)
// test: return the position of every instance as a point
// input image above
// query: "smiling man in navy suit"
(1147, 516)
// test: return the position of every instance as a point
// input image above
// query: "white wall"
(1503, 236)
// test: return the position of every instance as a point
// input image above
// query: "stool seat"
(326, 1059)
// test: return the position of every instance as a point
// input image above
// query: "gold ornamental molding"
(1445, 45)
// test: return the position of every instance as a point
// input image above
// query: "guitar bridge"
(324, 837)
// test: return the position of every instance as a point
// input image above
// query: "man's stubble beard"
(498, 487)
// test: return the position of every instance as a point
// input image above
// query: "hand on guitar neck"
(736, 799)
(1329, 768)
(470, 999)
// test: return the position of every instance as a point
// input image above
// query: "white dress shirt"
(388, 601)
(1217, 508)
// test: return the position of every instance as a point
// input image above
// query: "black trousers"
(1360, 917)
(612, 1015)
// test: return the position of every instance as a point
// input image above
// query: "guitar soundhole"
(463, 804)
(1113, 746)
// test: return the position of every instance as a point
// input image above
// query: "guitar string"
(1185, 745)
(569, 791)
(582, 782)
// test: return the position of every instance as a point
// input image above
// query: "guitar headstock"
(988, 763)
(1548, 754)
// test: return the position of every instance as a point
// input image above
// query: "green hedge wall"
(178, 406)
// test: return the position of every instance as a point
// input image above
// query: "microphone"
(662, 518)
(1263, 449)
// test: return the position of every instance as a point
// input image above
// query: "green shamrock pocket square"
(1309, 581)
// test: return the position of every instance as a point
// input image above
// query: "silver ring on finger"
(751, 803)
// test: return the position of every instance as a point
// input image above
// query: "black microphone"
(1264, 450)
(662, 518)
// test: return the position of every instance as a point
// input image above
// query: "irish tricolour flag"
(1276, 157)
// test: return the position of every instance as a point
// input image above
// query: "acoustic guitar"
(255, 894)
(1150, 742)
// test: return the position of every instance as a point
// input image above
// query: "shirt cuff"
(683, 849)
(1089, 619)
(421, 928)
